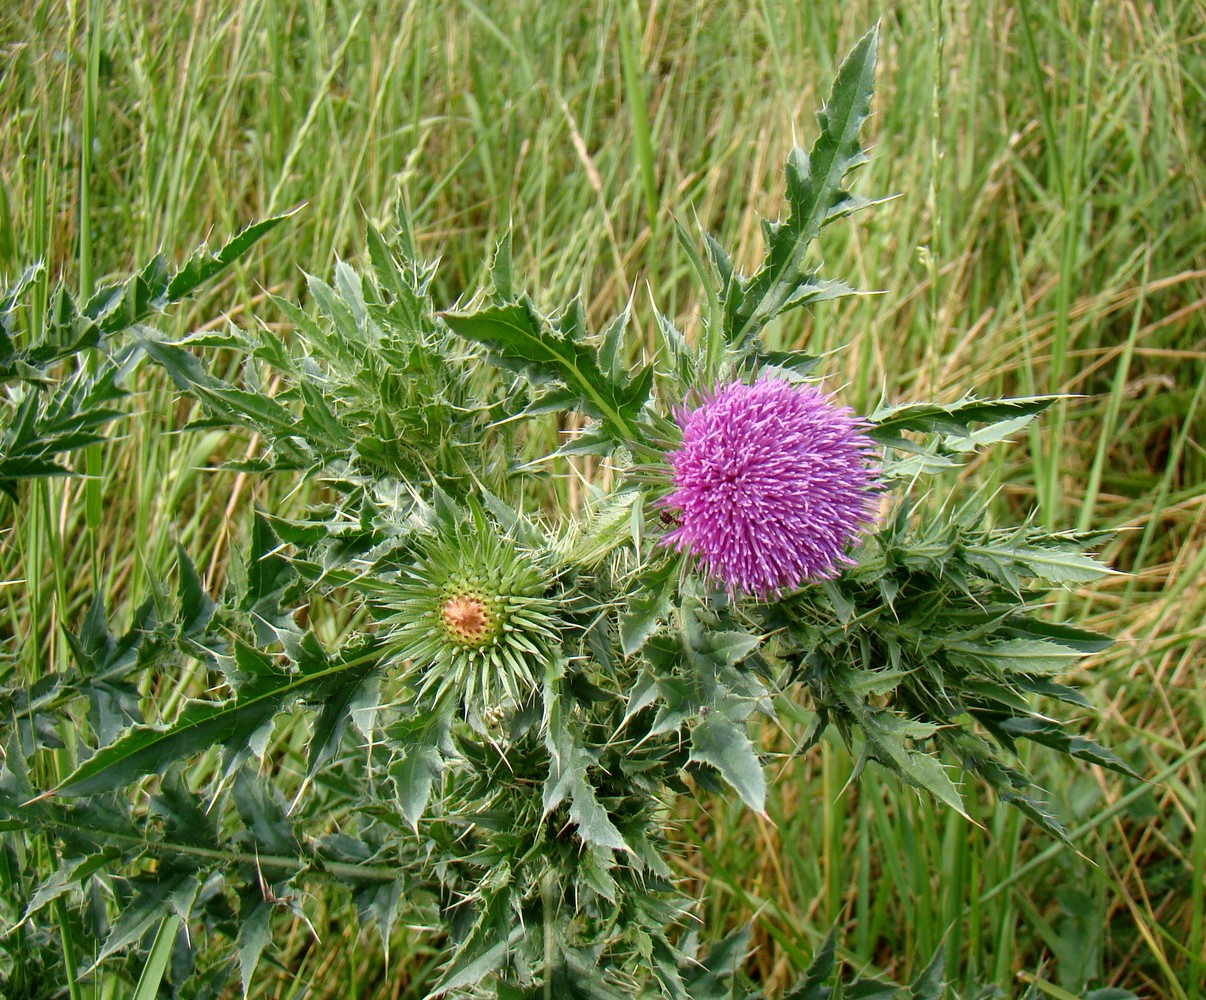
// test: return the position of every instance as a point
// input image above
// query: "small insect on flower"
(772, 483)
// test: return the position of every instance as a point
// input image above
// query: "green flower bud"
(473, 617)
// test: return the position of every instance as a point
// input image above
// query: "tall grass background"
(1048, 236)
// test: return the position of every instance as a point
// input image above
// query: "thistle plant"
(513, 691)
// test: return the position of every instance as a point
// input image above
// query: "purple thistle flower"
(772, 483)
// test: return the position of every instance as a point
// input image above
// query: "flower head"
(772, 482)
(472, 615)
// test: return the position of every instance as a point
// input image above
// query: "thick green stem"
(317, 868)
(70, 967)
(547, 886)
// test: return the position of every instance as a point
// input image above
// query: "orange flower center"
(465, 617)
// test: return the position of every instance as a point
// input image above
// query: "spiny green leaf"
(794, 364)
(815, 197)
(1052, 734)
(119, 306)
(888, 738)
(1082, 640)
(196, 606)
(204, 264)
(665, 969)
(1034, 810)
(648, 603)
(265, 690)
(146, 749)
(262, 809)
(185, 818)
(254, 934)
(888, 423)
(500, 271)
(44, 427)
(9, 300)
(471, 967)
(593, 865)
(719, 741)
(421, 740)
(592, 820)
(485, 948)
(265, 581)
(93, 647)
(251, 408)
(152, 902)
(341, 697)
(517, 337)
(183, 367)
(820, 969)
(643, 693)
(1056, 563)
(727, 648)
(568, 779)
(1027, 656)
(930, 984)
(66, 876)
(377, 903)
(403, 278)
(711, 978)
(873, 683)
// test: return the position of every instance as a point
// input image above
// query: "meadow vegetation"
(1048, 237)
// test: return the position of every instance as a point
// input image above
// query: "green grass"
(1049, 236)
